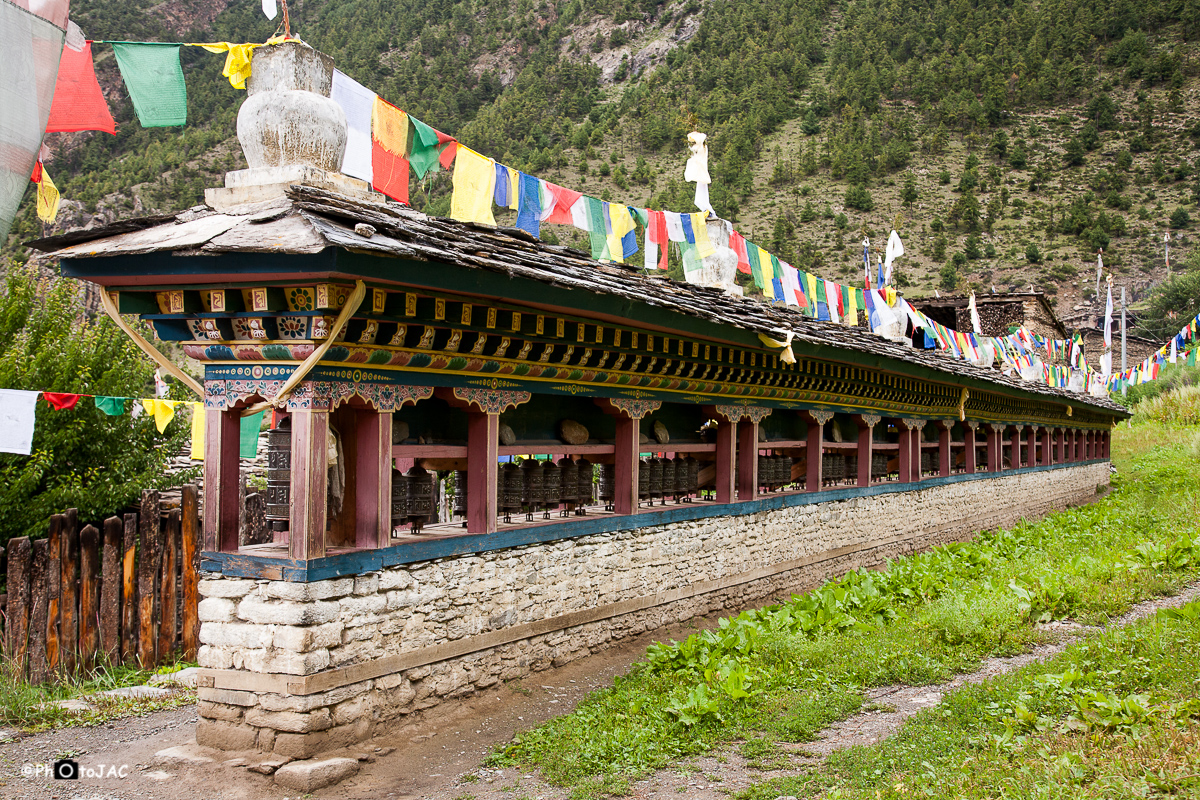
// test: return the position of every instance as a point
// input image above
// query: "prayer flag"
(529, 207)
(777, 279)
(248, 434)
(1108, 319)
(429, 147)
(237, 60)
(79, 104)
(737, 243)
(895, 249)
(791, 285)
(47, 197)
(61, 401)
(358, 103)
(389, 149)
(474, 181)
(163, 411)
(597, 226)
(17, 418)
(619, 225)
(155, 82)
(270, 8)
(822, 299)
(831, 299)
(851, 305)
(753, 252)
(675, 229)
(503, 190)
(564, 199)
(656, 240)
(112, 406)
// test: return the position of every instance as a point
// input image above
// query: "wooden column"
(866, 431)
(483, 455)
(1091, 445)
(38, 581)
(625, 469)
(110, 593)
(54, 591)
(815, 448)
(190, 555)
(1060, 445)
(747, 436)
(1031, 458)
(148, 565)
(68, 608)
(969, 444)
(16, 611)
(726, 458)
(129, 606)
(1107, 444)
(373, 488)
(995, 447)
(915, 426)
(944, 452)
(906, 437)
(1047, 447)
(310, 468)
(1015, 439)
(1069, 436)
(89, 596)
(222, 443)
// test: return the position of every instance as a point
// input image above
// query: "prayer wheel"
(879, 466)
(551, 485)
(568, 485)
(279, 472)
(852, 468)
(679, 470)
(420, 497)
(926, 462)
(531, 487)
(460, 495)
(785, 470)
(510, 487)
(399, 498)
(643, 481)
(584, 490)
(693, 476)
(655, 479)
(668, 479)
(608, 487)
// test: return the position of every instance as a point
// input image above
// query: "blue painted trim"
(240, 565)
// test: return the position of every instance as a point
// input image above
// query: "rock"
(507, 437)
(270, 765)
(643, 438)
(183, 677)
(835, 432)
(8, 735)
(660, 433)
(384, 751)
(235, 762)
(367, 757)
(70, 706)
(399, 431)
(364, 230)
(571, 432)
(183, 755)
(308, 776)
(139, 692)
(158, 775)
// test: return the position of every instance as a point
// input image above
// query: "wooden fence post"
(129, 605)
(89, 596)
(37, 615)
(17, 610)
(169, 536)
(110, 593)
(149, 525)
(190, 552)
(53, 590)
(68, 609)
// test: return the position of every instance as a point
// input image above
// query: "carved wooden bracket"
(319, 395)
(631, 407)
(918, 424)
(491, 401)
(737, 413)
(870, 420)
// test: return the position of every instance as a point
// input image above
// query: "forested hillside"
(1007, 140)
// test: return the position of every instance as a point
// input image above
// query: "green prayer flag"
(423, 150)
(113, 406)
(248, 443)
(597, 227)
(1191, 359)
(755, 265)
(155, 82)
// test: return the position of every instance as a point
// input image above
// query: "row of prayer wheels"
(412, 497)
(542, 487)
(774, 472)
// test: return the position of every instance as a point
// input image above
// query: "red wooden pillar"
(625, 471)
(1031, 456)
(995, 447)
(726, 458)
(373, 486)
(1047, 451)
(747, 481)
(906, 437)
(969, 442)
(222, 443)
(866, 428)
(483, 455)
(1091, 445)
(815, 448)
(944, 427)
(1060, 445)
(1072, 445)
(1108, 444)
(1014, 461)
(310, 467)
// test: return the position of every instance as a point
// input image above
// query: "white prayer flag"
(1108, 314)
(16, 420)
(270, 8)
(357, 101)
(974, 315)
(895, 249)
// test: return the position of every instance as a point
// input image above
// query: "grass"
(784, 672)
(1178, 407)
(30, 707)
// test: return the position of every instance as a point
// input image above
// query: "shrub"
(1032, 254)
(858, 197)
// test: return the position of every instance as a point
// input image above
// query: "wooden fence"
(125, 594)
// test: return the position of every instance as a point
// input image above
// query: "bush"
(858, 197)
(81, 458)
(949, 278)
(1177, 407)
(1032, 254)
(1181, 218)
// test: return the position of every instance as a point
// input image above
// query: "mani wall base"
(301, 668)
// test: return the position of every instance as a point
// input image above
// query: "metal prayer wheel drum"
(655, 478)
(420, 496)
(879, 466)
(608, 481)
(510, 489)
(399, 498)
(926, 462)
(766, 472)
(852, 468)
(568, 484)
(679, 471)
(693, 476)
(279, 472)
(460, 494)
(531, 486)
(551, 486)
(668, 478)
(785, 470)
(583, 496)
(644, 480)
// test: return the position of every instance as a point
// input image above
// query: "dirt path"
(438, 756)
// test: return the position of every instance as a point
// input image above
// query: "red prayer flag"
(389, 172)
(563, 200)
(79, 105)
(36, 177)
(738, 243)
(656, 234)
(61, 400)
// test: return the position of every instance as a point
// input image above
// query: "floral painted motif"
(300, 299)
(293, 327)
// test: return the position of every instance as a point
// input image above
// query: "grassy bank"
(783, 672)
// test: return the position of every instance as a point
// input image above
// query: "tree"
(909, 193)
(811, 126)
(1016, 156)
(1180, 218)
(999, 144)
(948, 278)
(1032, 254)
(971, 248)
(858, 197)
(81, 458)
(1073, 152)
(1172, 305)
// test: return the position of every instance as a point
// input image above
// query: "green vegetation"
(81, 457)
(786, 671)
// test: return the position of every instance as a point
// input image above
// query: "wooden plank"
(129, 604)
(53, 590)
(625, 470)
(747, 435)
(723, 469)
(483, 433)
(168, 602)
(37, 611)
(310, 431)
(190, 556)
(89, 596)
(68, 608)
(148, 537)
(16, 610)
(110, 593)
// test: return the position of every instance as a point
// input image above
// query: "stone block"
(308, 776)
(351, 711)
(216, 609)
(231, 697)
(301, 640)
(307, 592)
(290, 721)
(235, 634)
(366, 584)
(231, 587)
(391, 579)
(214, 657)
(286, 661)
(225, 735)
(185, 755)
(219, 711)
(287, 612)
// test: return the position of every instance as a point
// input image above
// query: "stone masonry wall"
(307, 667)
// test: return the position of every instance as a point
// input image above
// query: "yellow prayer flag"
(767, 267)
(704, 247)
(162, 410)
(514, 188)
(811, 280)
(474, 184)
(851, 306)
(197, 431)
(622, 223)
(47, 198)
(389, 127)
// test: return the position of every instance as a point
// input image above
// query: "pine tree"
(909, 191)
